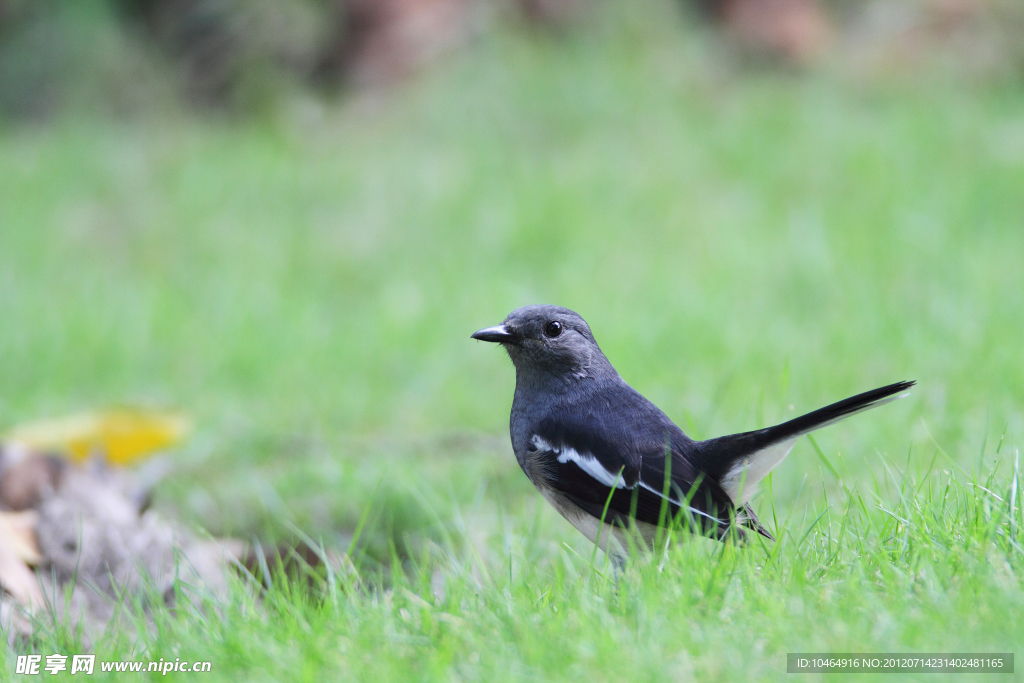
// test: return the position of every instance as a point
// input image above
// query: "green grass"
(746, 246)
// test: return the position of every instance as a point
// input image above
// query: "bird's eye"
(553, 328)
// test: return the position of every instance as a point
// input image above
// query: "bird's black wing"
(614, 449)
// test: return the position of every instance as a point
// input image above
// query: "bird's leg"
(618, 567)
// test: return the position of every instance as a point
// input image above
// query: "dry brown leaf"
(26, 476)
(18, 549)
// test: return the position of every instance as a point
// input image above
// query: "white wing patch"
(594, 468)
(740, 482)
(585, 461)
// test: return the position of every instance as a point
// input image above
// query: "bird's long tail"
(739, 461)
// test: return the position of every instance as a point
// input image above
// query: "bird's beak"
(498, 333)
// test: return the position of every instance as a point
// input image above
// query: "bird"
(611, 462)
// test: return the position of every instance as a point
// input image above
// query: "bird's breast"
(536, 464)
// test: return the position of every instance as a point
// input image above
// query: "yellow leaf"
(123, 435)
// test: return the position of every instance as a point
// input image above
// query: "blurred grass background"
(301, 273)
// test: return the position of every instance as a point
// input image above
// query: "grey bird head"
(550, 340)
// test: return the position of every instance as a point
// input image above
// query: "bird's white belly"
(613, 539)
